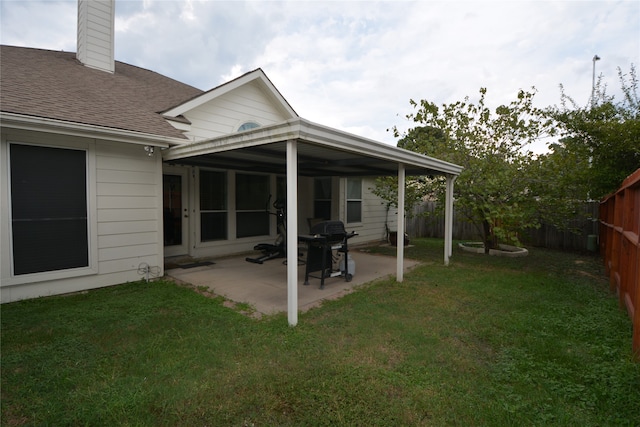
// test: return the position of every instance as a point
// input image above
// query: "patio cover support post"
(292, 232)
(448, 219)
(400, 239)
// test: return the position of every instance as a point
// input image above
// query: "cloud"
(354, 65)
(27, 22)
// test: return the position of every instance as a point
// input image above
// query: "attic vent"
(247, 126)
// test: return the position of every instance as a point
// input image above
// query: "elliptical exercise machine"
(279, 248)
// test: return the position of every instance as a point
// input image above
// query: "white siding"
(374, 214)
(129, 202)
(372, 229)
(125, 205)
(224, 114)
(95, 45)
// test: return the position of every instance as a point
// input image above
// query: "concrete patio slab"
(264, 286)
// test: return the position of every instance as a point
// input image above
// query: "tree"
(559, 181)
(386, 187)
(504, 188)
(494, 189)
(416, 188)
(605, 134)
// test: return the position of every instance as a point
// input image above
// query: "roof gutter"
(40, 124)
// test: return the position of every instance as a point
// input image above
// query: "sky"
(354, 65)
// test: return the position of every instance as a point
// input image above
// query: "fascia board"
(39, 124)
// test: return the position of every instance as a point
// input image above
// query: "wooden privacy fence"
(427, 221)
(620, 248)
(547, 236)
(581, 233)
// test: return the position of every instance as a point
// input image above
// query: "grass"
(486, 341)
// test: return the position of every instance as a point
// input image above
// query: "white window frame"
(236, 211)
(69, 143)
(316, 199)
(199, 211)
(347, 200)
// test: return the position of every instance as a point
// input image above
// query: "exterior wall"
(239, 245)
(124, 209)
(374, 214)
(224, 114)
(129, 209)
(231, 245)
(371, 229)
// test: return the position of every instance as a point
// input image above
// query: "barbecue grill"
(325, 238)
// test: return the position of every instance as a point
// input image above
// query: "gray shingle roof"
(53, 84)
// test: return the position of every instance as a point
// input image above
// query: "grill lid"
(329, 228)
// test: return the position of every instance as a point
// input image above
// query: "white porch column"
(400, 240)
(292, 232)
(448, 219)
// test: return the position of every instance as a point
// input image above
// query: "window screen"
(322, 197)
(354, 200)
(48, 208)
(252, 194)
(213, 205)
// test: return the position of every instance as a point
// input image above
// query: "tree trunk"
(490, 241)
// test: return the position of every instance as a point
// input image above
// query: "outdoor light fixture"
(149, 149)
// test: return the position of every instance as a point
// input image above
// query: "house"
(107, 168)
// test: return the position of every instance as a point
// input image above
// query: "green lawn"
(486, 341)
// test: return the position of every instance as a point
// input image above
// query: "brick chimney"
(96, 20)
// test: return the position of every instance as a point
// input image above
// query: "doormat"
(196, 264)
